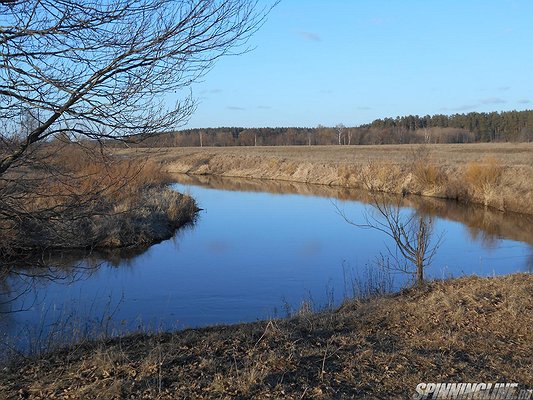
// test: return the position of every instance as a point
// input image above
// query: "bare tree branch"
(411, 232)
(106, 67)
(76, 73)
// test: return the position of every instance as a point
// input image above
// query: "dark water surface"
(257, 249)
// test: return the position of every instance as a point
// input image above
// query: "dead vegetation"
(463, 330)
(484, 179)
(427, 175)
(494, 175)
(74, 196)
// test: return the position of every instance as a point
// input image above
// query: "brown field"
(511, 154)
(464, 330)
(496, 175)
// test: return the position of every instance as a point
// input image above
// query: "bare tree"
(412, 234)
(349, 134)
(340, 130)
(415, 244)
(103, 68)
(86, 71)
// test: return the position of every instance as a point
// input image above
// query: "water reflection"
(257, 246)
(484, 224)
(529, 262)
(21, 277)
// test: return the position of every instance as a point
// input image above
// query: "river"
(257, 250)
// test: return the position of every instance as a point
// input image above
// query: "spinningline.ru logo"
(481, 391)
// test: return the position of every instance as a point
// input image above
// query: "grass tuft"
(484, 174)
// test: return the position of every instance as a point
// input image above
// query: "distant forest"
(509, 126)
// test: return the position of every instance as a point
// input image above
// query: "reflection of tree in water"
(489, 240)
(529, 261)
(485, 224)
(20, 277)
(20, 285)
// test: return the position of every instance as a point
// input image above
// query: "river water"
(258, 250)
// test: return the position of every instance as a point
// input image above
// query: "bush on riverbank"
(81, 197)
(463, 330)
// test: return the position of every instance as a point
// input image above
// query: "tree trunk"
(419, 272)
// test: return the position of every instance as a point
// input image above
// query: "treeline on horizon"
(509, 126)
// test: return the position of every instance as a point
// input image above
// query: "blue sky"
(329, 62)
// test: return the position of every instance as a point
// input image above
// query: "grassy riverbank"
(462, 330)
(83, 198)
(496, 175)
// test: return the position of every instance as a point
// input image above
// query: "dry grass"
(380, 177)
(84, 171)
(488, 172)
(484, 179)
(429, 170)
(446, 155)
(79, 197)
(427, 174)
(464, 330)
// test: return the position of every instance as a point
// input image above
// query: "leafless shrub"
(411, 232)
